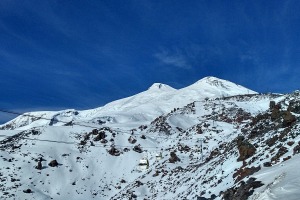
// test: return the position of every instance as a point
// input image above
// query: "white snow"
(88, 171)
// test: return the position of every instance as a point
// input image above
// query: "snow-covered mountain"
(250, 146)
(140, 108)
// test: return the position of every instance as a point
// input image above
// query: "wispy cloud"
(177, 59)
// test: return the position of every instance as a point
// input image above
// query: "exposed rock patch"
(246, 149)
(53, 163)
(242, 192)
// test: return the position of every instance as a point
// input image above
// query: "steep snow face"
(160, 98)
(145, 106)
(214, 87)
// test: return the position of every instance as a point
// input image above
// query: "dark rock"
(270, 142)
(275, 114)
(94, 131)
(272, 105)
(39, 166)
(53, 163)
(131, 140)
(139, 183)
(294, 106)
(246, 149)
(240, 139)
(143, 137)
(280, 152)
(100, 136)
(296, 149)
(242, 173)
(137, 149)
(82, 142)
(70, 123)
(114, 152)
(123, 181)
(267, 164)
(288, 118)
(142, 127)
(173, 158)
(286, 158)
(27, 191)
(284, 133)
(290, 143)
(243, 191)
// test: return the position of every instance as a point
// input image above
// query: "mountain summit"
(161, 87)
(157, 100)
(199, 141)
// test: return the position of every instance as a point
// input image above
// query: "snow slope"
(140, 108)
(93, 167)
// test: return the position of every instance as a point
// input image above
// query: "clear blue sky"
(83, 54)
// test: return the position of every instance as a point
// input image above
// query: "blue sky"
(83, 54)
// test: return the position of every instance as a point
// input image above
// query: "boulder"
(27, 191)
(53, 163)
(131, 140)
(288, 118)
(246, 149)
(173, 158)
(275, 114)
(114, 152)
(137, 149)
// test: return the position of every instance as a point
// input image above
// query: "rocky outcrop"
(275, 114)
(280, 152)
(242, 192)
(114, 152)
(294, 106)
(246, 149)
(242, 173)
(270, 142)
(100, 136)
(288, 118)
(173, 158)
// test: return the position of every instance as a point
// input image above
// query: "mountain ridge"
(147, 105)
